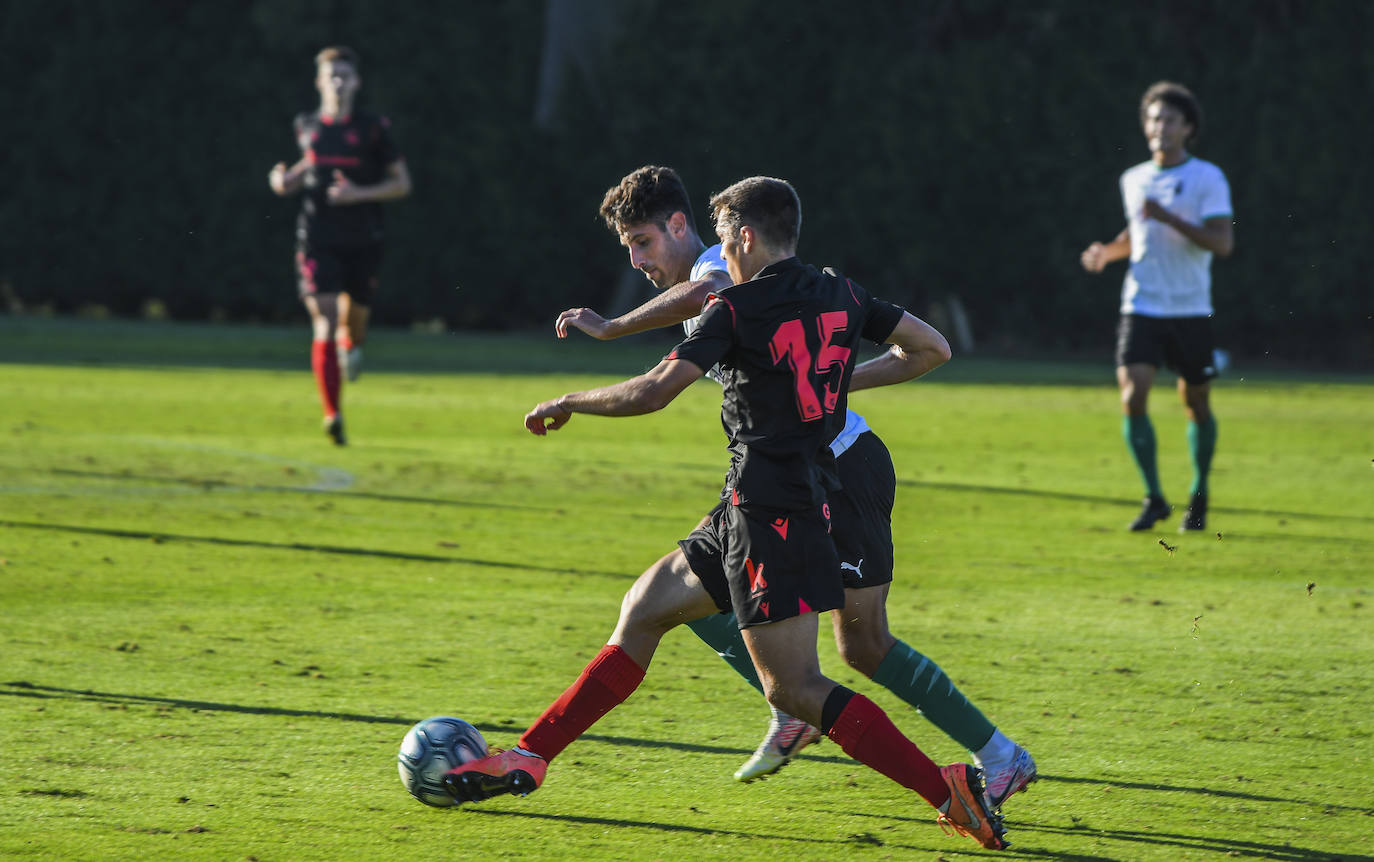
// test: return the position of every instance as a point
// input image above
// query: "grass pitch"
(217, 627)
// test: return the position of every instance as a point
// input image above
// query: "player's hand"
(1155, 210)
(1094, 257)
(276, 178)
(546, 417)
(341, 190)
(584, 319)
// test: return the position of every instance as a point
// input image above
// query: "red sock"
(324, 361)
(345, 344)
(866, 734)
(604, 684)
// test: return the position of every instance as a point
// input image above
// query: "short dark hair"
(337, 53)
(648, 194)
(769, 205)
(1175, 96)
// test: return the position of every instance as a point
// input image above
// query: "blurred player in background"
(766, 545)
(649, 210)
(1178, 215)
(349, 165)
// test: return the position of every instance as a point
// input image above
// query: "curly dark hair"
(1175, 96)
(768, 205)
(649, 194)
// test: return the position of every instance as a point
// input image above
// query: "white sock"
(998, 751)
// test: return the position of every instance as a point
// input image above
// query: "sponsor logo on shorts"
(781, 526)
(757, 584)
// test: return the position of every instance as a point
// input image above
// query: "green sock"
(920, 682)
(1202, 442)
(721, 633)
(1140, 438)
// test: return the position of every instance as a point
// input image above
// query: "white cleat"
(785, 738)
(1008, 778)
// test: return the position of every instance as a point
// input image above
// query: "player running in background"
(650, 212)
(349, 164)
(1178, 215)
(783, 340)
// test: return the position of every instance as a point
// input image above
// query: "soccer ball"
(430, 749)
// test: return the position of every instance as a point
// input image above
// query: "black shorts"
(350, 269)
(766, 566)
(861, 513)
(1183, 344)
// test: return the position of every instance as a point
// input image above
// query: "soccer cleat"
(1195, 518)
(333, 426)
(496, 774)
(1154, 509)
(786, 736)
(1010, 778)
(351, 363)
(968, 812)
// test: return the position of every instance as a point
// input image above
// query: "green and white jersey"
(1170, 275)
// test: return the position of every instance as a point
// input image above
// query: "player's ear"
(677, 224)
(748, 240)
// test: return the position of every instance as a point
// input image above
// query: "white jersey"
(711, 261)
(1170, 275)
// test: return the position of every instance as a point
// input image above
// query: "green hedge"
(940, 148)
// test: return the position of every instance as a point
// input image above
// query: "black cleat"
(1196, 516)
(333, 426)
(1154, 509)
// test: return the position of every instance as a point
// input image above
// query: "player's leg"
(355, 306)
(1202, 444)
(324, 362)
(786, 735)
(861, 526)
(1193, 359)
(785, 653)
(1139, 353)
(866, 644)
(664, 596)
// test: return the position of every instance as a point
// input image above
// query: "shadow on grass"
(219, 484)
(1231, 847)
(145, 535)
(21, 688)
(1117, 501)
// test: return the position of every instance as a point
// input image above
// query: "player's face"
(655, 252)
(1166, 129)
(337, 81)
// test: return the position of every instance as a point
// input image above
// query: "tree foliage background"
(942, 148)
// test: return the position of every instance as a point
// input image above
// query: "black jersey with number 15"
(786, 342)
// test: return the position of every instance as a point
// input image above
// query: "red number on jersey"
(815, 397)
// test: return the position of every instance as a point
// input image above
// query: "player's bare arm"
(1214, 234)
(680, 302)
(917, 348)
(286, 180)
(1096, 256)
(395, 185)
(646, 393)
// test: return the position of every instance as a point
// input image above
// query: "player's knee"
(862, 651)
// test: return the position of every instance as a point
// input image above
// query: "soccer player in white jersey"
(1178, 216)
(651, 213)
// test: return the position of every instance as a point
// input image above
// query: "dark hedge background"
(940, 148)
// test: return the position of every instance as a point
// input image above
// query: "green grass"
(216, 627)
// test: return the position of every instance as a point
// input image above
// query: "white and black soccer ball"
(430, 749)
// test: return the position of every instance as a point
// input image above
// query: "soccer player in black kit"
(349, 165)
(784, 340)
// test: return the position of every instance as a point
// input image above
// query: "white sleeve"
(1216, 196)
